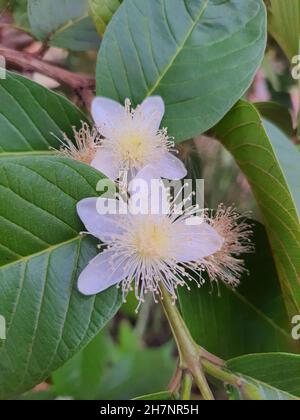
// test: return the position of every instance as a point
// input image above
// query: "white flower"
(148, 250)
(133, 140)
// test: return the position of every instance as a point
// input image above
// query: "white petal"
(152, 111)
(101, 226)
(197, 242)
(170, 167)
(100, 274)
(105, 163)
(107, 114)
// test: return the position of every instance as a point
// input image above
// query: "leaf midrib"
(179, 49)
(29, 153)
(44, 251)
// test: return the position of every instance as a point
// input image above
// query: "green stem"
(195, 360)
(186, 389)
(248, 390)
(189, 354)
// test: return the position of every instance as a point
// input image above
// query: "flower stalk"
(189, 354)
(187, 384)
(195, 362)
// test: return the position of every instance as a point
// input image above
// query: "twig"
(175, 382)
(189, 354)
(187, 384)
(198, 362)
(82, 84)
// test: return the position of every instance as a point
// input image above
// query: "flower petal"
(100, 274)
(148, 194)
(102, 226)
(170, 167)
(152, 111)
(107, 114)
(197, 241)
(105, 163)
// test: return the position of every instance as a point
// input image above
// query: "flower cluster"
(147, 250)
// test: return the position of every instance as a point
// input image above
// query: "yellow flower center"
(134, 148)
(153, 240)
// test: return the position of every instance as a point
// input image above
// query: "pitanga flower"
(148, 250)
(132, 140)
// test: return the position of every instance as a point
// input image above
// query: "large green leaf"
(30, 113)
(271, 164)
(284, 24)
(282, 371)
(251, 319)
(64, 24)
(41, 256)
(102, 11)
(199, 55)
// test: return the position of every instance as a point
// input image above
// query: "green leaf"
(102, 11)
(278, 115)
(41, 256)
(258, 391)
(251, 319)
(64, 24)
(123, 367)
(80, 377)
(284, 25)
(29, 113)
(271, 163)
(282, 371)
(199, 55)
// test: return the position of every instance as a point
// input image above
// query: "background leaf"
(277, 114)
(64, 24)
(42, 254)
(29, 113)
(80, 377)
(120, 368)
(199, 55)
(284, 25)
(271, 164)
(102, 11)
(282, 371)
(251, 319)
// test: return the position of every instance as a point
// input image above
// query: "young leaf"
(41, 255)
(30, 113)
(250, 319)
(199, 55)
(271, 164)
(102, 11)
